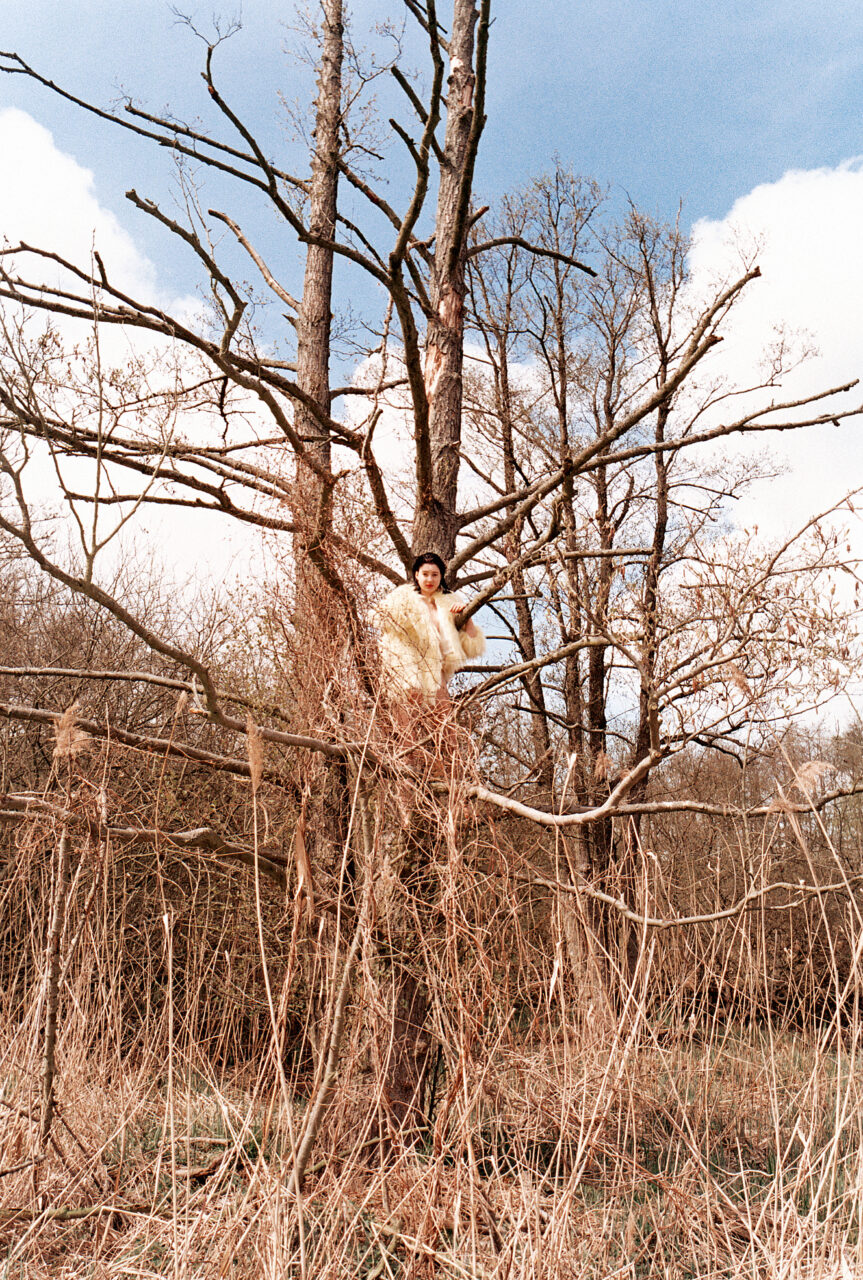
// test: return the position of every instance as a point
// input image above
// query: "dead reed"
(226, 1052)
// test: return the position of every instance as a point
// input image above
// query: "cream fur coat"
(412, 655)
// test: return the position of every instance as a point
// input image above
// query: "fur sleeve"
(471, 646)
(396, 613)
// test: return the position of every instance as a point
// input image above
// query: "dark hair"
(429, 557)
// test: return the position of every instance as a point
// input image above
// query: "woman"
(421, 647)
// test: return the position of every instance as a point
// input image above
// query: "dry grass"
(647, 1130)
(732, 1154)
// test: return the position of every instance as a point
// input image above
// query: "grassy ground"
(676, 1150)
(705, 1119)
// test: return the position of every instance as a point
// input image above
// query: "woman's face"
(428, 579)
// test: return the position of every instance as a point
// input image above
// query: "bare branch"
(755, 897)
(15, 807)
(506, 674)
(168, 138)
(280, 292)
(609, 807)
(536, 495)
(539, 250)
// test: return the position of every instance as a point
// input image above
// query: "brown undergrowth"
(577, 1113)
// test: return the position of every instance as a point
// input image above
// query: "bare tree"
(614, 371)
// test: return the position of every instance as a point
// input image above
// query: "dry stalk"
(52, 992)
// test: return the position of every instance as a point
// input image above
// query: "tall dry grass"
(585, 1115)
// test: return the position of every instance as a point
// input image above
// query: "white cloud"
(49, 201)
(807, 227)
(393, 439)
(805, 231)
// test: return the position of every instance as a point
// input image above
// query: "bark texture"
(314, 321)
(52, 990)
(435, 522)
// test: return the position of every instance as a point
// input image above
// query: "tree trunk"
(647, 711)
(314, 496)
(52, 990)
(532, 680)
(408, 1058)
(435, 520)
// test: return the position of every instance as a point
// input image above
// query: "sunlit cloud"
(53, 204)
(804, 233)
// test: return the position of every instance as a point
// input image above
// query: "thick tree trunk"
(408, 1057)
(435, 520)
(533, 685)
(532, 681)
(406, 1045)
(648, 716)
(52, 991)
(597, 723)
(314, 496)
(647, 712)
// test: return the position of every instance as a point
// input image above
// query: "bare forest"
(559, 980)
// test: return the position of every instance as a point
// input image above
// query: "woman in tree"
(421, 646)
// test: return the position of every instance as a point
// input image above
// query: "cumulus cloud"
(53, 204)
(804, 233)
(803, 230)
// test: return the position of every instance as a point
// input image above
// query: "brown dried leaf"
(738, 679)
(809, 773)
(602, 767)
(70, 740)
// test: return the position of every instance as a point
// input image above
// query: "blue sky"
(663, 101)
(751, 114)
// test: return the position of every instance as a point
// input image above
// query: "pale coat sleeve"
(471, 646)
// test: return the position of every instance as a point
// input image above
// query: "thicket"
(593, 1091)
